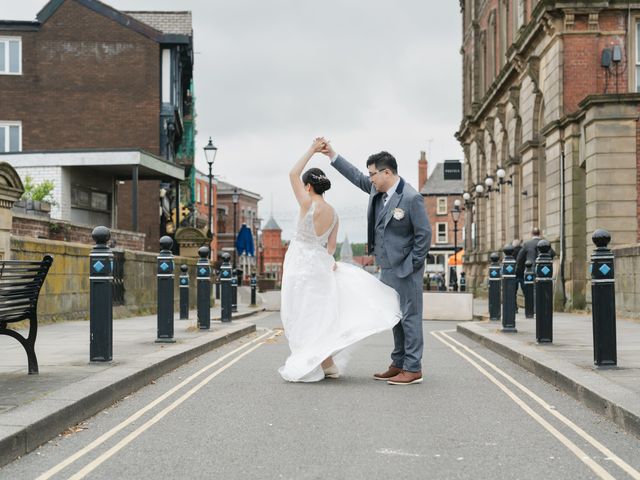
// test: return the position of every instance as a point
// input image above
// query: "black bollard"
(603, 300)
(494, 287)
(509, 285)
(226, 289)
(218, 285)
(234, 294)
(165, 291)
(204, 289)
(101, 297)
(254, 286)
(529, 282)
(184, 292)
(463, 282)
(544, 293)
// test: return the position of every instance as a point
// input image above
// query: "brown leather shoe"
(391, 372)
(406, 378)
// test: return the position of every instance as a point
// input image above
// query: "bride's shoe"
(331, 372)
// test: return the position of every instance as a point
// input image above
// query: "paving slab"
(69, 388)
(567, 363)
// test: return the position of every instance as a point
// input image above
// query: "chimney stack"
(422, 170)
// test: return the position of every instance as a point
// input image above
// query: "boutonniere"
(398, 213)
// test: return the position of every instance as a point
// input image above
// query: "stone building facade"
(549, 96)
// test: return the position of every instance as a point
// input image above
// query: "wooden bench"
(20, 283)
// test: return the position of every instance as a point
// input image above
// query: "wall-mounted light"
(501, 174)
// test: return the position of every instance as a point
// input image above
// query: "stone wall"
(65, 294)
(28, 226)
(627, 272)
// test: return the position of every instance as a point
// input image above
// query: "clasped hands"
(322, 145)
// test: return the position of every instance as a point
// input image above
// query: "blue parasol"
(244, 241)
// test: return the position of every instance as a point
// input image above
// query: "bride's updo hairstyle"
(317, 179)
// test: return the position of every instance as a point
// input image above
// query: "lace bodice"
(306, 231)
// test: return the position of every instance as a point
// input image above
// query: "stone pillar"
(11, 190)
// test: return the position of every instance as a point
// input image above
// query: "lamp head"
(500, 173)
(488, 181)
(210, 152)
(479, 188)
(466, 196)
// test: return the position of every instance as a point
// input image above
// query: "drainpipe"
(562, 222)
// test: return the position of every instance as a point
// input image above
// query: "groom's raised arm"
(352, 174)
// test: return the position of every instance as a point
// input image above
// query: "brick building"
(201, 203)
(440, 191)
(246, 212)
(549, 96)
(100, 101)
(273, 251)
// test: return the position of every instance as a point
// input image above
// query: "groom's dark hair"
(383, 160)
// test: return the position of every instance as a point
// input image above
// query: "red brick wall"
(148, 211)
(69, 232)
(431, 205)
(88, 82)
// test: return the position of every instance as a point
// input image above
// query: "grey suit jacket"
(406, 240)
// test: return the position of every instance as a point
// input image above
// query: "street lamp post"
(455, 216)
(256, 228)
(235, 197)
(210, 152)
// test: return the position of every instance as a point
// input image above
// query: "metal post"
(494, 287)
(509, 284)
(544, 293)
(226, 276)
(235, 232)
(210, 198)
(165, 291)
(184, 292)
(234, 293)
(254, 285)
(455, 252)
(603, 299)
(529, 282)
(463, 282)
(101, 297)
(204, 289)
(218, 285)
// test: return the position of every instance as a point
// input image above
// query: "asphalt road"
(229, 415)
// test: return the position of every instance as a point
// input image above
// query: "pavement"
(567, 363)
(69, 389)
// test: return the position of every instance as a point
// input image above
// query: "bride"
(326, 306)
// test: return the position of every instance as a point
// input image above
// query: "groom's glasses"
(373, 174)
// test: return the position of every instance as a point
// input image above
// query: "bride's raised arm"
(295, 175)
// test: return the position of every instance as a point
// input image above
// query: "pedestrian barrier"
(494, 287)
(165, 291)
(603, 298)
(226, 280)
(204, 289)
(184, 292)
(544, 293)
(528, 290)
(509, 284)
(101, 297)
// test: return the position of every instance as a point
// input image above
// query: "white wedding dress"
(325, 311)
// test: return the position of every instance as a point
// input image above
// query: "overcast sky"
(270, 75)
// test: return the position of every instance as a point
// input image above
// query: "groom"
(399, 235)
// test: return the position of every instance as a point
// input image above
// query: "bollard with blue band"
(603, 299)
(254, 286)
(494, 287)
(234, 293)
(463, 282)
(544, 293)
(529, 285)
(101, 297)
(165, 291)
(184, 292)
(203, 276)
(226, 274)
(509, 285)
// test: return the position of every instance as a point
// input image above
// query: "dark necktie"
(373, 215)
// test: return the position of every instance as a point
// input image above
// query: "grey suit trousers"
(407, 334)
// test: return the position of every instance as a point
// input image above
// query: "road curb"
(618, 404)
(44, 419)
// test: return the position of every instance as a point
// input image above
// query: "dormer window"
(10, 56)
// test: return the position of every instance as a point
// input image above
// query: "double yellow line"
(467, 353)
(254, 344)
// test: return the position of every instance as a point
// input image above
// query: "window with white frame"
(198, 193)
(10, 56)
(441, 230)
(10, 137)
(442, 206)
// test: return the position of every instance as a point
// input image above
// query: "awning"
(456, 260)
(118, 163)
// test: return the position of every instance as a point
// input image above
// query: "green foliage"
(41, 192)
